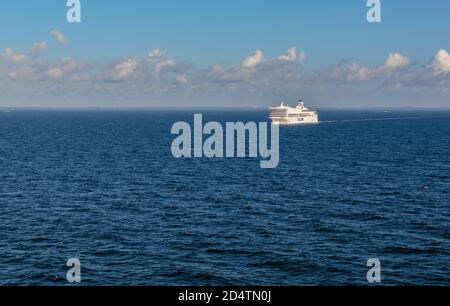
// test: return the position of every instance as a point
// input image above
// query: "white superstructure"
(286, 115)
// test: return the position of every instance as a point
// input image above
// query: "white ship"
(286, 115)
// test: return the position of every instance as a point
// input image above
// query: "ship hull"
(294, 121)
(286, 116)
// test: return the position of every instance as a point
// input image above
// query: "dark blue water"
(102, 186)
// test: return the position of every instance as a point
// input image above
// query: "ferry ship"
(286, 115)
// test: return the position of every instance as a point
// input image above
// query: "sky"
(224, 53)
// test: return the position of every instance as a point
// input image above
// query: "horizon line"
(197, 107)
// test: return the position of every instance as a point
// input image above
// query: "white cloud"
(65, 66)
(237, 73)
(24, 73)
(160, 62)
(55, 73)
(302, 57)
(291, 55)
(182, 79)
(39, 46)
(162, 66)
(156, 55)
(253, 76)
(42, 71)
(124, 69)
(232, 75)
(254, 60)
(353, 72)
(255, 69)
(441, 62)
(16, 58)
(396, 60)
(59, 37)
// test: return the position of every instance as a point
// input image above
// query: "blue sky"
(198, 35)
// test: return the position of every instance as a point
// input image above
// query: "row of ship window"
(300, 115)
(291, 115)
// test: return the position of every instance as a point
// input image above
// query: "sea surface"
(102, 186)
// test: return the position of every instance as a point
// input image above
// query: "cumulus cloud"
(396, 60)
(59, 37)
(164, 65)
(39, 70)
(233, 74)
(302, 57)
(353, 72)
(55, 73)
(66, 66)
(38, 47)
(254, 60)
(14, 57)
(237, 73)
(160, 63)
(291, 55)
(122, 70)
(396, 74)
(441, 62)
(182, 79)
(156, 55)
(255, 75)
(348, 72)
(24, 73)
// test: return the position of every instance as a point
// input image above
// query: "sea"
(103, 187)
